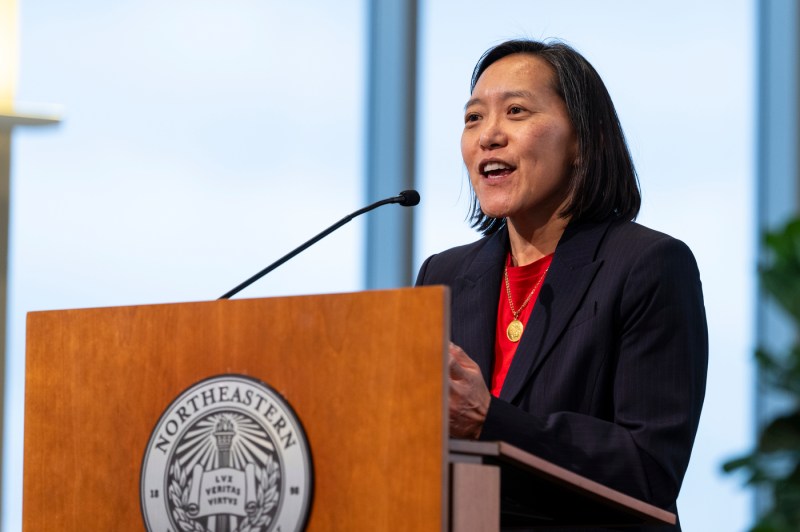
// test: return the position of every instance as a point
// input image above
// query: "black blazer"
(609, 376)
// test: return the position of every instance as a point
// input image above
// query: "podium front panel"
(364, 372)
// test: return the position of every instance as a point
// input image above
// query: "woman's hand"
(469, 397)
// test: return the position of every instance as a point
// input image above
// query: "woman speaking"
(577, 334)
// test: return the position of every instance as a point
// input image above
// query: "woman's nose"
(493, 136)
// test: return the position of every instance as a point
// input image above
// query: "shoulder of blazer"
(633, 236)
(626, 242)
(465, 260)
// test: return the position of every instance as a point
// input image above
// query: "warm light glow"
(9, 53)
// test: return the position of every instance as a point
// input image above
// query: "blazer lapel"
(571, 272)
(475, 295)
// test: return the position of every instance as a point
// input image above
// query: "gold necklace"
(515, 328)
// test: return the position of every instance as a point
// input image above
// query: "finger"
(460, 356)
(455, 354)
(455, 367)
(455, 350)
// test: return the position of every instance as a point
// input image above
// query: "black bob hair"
(604, 183)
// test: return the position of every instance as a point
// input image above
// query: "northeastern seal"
(228, 455)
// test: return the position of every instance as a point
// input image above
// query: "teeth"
(491, 167)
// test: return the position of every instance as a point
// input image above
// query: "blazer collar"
(477, 293)
(571, 273)
(475, 310)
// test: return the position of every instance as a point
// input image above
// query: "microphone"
(410, 198)
(407, 198)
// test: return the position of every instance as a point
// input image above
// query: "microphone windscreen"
(410, 198)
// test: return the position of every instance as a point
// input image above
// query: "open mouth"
(496, 169)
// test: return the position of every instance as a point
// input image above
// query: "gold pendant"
(514, 331)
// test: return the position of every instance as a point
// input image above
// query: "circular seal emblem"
(228, 455)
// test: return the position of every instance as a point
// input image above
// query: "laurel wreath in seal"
(257, 517)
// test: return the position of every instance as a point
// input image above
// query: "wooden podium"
(365, 374)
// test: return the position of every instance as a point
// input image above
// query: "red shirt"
(521, 279)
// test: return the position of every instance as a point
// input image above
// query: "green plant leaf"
(738, 463)
(782, 433)
(781, 273)
(775, 463)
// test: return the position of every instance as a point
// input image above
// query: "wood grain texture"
(364, 372)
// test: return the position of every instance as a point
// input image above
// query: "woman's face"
(518, 144)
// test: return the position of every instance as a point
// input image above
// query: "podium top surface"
(535, 491)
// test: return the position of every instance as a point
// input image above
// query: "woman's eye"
(471, 117)
(515, 110)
